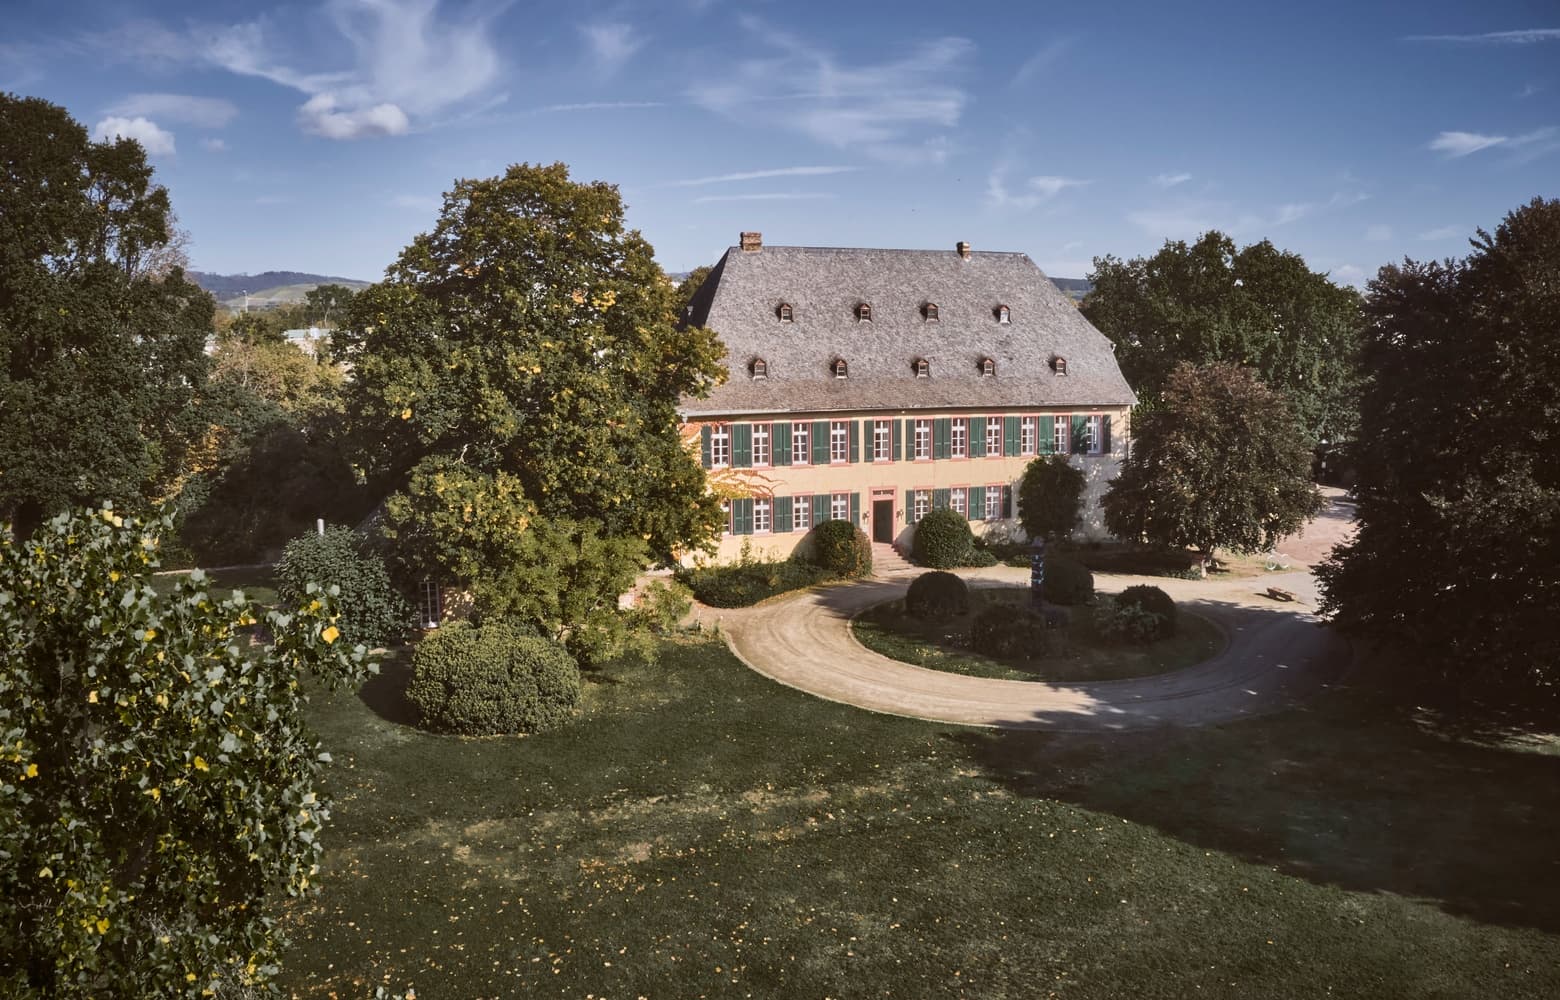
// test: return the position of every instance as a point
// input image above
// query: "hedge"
(492, 679)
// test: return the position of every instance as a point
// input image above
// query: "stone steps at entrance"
(887, 562)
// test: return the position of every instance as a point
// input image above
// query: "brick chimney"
(752, 242)
(964, 249)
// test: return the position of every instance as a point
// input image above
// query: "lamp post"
(1037, 573)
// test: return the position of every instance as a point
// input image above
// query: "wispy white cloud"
(1526, 36)
(1044, 58)
(321, 116)
(185, 109)
(896, 110)
(765, 196)
(212, 144)
(612, 43)
(1348, 274)
(1378, 233)
(156, 140)
(1528, 90)
(755, 175)
(553, 109)
(1292, 212)
(1534, 143)
(1168, 181)
(1442, 233)
(1033, 191)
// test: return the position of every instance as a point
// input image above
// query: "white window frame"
(760, 445)
(994, 502)
(801, 454)
(993, 437)
(839, 506)
(959, 446)
(959, 500)
(882, 441)
(839, 442)
(1095, 424)
(921, 505)
(922, 440)
(1061, 429)
(763, 519)
(720, 446)
(725, 508)
(1028, 435)
(801, 512)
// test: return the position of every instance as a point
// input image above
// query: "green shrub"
(1117, 619)
(1153, 600)
(663, 604)
(372, 611)
(1009, 632)
(842, 548)
(1050, 497)
(745, 584)
(942, 539)
(492, 680)
(980, 558)
(1068, 581)
(937, 595)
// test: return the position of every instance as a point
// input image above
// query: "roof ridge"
(817, 249)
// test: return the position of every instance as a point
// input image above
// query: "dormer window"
(929, 312)
(988, 368)
(759, 368)
(785, 313)
(923, 368)
(864, 312)
(1004, 315)
(841, 369)
(1058, 364)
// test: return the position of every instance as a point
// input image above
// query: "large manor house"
(876, 385)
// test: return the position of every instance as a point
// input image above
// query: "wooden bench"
(1279, 594)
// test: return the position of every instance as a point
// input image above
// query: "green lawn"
(1079, 653)
(258, 584)
(703, 832)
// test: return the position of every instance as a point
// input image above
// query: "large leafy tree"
(101, 342)
(1457, 555)
(158, 788)
(531, 333)
(1256, 306)
(1050, 497)
(1222, 463)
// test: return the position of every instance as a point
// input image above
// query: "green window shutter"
(780, 443)
(1045, 435)
(1105, 434)
(820, 508)
(1007, 500)
(909, 506)
(940, 499)
(1080, 434)
(782, 514)
(977, 503)
(704, 445)
(855, 441)
(942, 437)
(855, 508)
(820, 443)
(741, 446)
(895, 446)
(742, 516)
(1010, 436)
(977, 437)
(907, 451)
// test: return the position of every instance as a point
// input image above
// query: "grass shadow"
(385, 692)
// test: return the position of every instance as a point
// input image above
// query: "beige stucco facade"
(884, 488)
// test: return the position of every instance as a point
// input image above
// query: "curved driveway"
(1276, 655)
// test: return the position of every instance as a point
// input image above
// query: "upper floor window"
(1004, 315)
(1059, 428)
(922, 440)
(760, 444)
(785, 312)
(960, 445)
(839, 441)
(720, 446)
(799, 433)
(923, 368)
(993, 437)
(929, 312)
(882, 441)
(841, 369)
(864, 312)
(760, 368)
(988, 367)
(1096, 438)
(1027, 435)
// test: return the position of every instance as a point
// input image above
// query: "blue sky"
(319, 136)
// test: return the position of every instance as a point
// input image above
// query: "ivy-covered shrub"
(942, 539)
(1068, 581)
(490, 680)
(842, 548)
(937, 595)
(744, 584)
(1154, 601)
(372, 611)
(1116, 619)
(1009, 632)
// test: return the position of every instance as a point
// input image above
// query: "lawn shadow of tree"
(385, 692)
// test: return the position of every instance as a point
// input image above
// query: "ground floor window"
(1096, 439)
(725, 513)
(921, 504)
(993, 503)
(839, 506)
(958, 499)
(1059, 435)
(761, 518)
(431, 603)
(801, 513)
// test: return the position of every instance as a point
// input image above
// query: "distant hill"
(1075, 287)
(268, 288)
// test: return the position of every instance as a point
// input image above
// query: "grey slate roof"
(741, 298)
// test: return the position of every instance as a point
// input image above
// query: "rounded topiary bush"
(491, 680)
(942, 539)
(1009, 632)
(1068, 581)
(937, 595)
(372, 610)
(1155, 602)
(842, 548)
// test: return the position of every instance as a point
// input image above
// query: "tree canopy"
(158, 789)
(1050, 497)
(1222, 463)
(1258, 307)
(102, 360)
(1457, 555)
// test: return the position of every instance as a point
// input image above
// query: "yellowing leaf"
(92, 697)
(102, 926)
(406, 414)
(331, 634)
(155, 793)
(200, 763)
(151, 634)
(32, 771)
